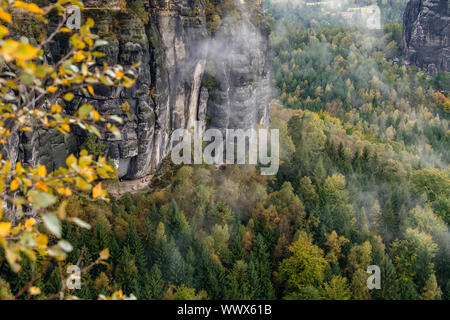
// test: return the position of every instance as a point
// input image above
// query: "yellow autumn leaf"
(97, 191)
(20, 4)
(69, 96)
(8, 48)
(19, 168)
(96, 115)
(82, 184)
(104, 254)
(79, 56)
(56, 108)
(71, 160)
(62, 210)
(26, 51)
(126, 106)
(128, 83)
(52, 89)
(64, 191)
(119, 75)
(30, 222)
(68, 192)
(5, 16)
(41, 241)
(42, 171)
(91, 90)
(12, 49)
(3, 31)
(90, 22)
(31, 7)
(65, 127)
(5, 227)
(14, 185)
(27, 182)
(41, 186)
(65, 30)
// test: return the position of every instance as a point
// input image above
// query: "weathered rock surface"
(172, 90)
(426, 42)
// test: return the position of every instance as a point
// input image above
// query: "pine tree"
(389, 283)
(154, 284)
(101, 239)
(238, 286)
(209, 276)
(319, 172)
(134, 242)
(261, 279)
(126, 271)
(176, 267)
(175, 221)
(237, 249)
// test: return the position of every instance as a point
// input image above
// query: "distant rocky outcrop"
(426, 33)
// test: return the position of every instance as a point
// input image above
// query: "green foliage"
(93, 146)
(305, 267)
(183, 293)
(442, 81)
(336, 289)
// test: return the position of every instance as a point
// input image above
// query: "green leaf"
(81, 223)
(65, 245)
(42, 200)
(116, 118)
(99, 43)
(69, 96)
(84, 110)
(52, 223)
(94, 130)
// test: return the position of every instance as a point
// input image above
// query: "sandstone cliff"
(426, 33)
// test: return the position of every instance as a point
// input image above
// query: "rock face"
(173, 88)
(426, 26)
(239, 64)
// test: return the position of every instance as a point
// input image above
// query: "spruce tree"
(260, 271)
